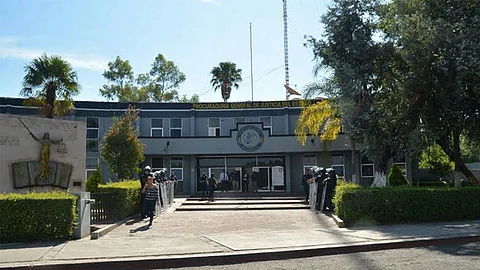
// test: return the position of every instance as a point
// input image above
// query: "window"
(399, 159)
(92, 128)
(308, 162)
(156, 129)
(338, 165)
(91, 165)
(238, 120)
(176, 167)
(267, 122)
(157, 164)
(214, 127)
(92, 145)
(176, 127)
(92, 134)
(367, 169)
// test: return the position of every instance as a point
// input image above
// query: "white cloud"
(9, 50)
(211, 1)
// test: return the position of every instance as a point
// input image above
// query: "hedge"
(361, 206)
(126, 195)
(37, 216)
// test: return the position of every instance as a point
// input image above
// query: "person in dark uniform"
(320, 176)
(212, 183)
(331, 184)
(306, 186)
(147, 171)
(245, 182)
(160, 178)
(203, 186)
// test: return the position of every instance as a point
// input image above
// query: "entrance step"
(229, 207)
(244, 202)
(234, 202)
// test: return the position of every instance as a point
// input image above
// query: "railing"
(103, 210)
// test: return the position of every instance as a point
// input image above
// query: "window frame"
(308, 166)
(152, 128)
(219, 128)
(92, 151)
(176, 168)
(176, 128)
(369, 164)
(97, 129)
(338, 165)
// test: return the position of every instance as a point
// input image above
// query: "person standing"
(236, 180)
(212, 183)
(151, 196)
(306, 186)
(254, 181)
(203, 186)
(173, 179)
(245, 182)
(224, 181)
(143, 180)
(331, 184)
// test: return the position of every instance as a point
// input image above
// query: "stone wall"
(18, 148)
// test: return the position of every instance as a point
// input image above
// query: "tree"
(396, 177)
(121, 78)
(159, 85)
(438, 41)
(225, 76)
(434, 158)
(165, 79)
(94, 180)
(48, 78)
(122, 150)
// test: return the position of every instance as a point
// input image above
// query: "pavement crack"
(52, 252)
(215, 244)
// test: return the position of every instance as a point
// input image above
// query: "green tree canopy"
(159, 85)
(224, 77)
(50, 83)
(121, 148)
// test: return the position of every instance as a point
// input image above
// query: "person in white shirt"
(224, 181)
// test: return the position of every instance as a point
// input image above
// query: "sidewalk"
(200, 238)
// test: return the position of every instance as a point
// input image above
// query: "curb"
(241, 257)
(338, 221)
(103, 231)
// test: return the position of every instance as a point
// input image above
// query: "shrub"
(126, 195)
(396, 177)
(406, 204)
(94, 180)
(37, 216)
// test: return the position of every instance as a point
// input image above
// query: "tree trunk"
(459, 165)
(50, 99)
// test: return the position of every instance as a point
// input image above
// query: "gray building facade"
(238, 138)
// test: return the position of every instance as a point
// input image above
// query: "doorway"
(261, 178)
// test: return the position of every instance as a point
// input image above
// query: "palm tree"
(224, 77)
(46, 79)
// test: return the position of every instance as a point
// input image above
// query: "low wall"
(20, 149)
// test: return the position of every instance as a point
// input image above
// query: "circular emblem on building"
(250, 138)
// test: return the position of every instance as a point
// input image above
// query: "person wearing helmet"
(147, 171)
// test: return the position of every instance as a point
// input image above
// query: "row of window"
(367, 169)
(176, 166)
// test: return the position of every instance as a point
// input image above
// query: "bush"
(126, 195)
(37, 216)
(406, 204)
(94, 180)
(396, 177)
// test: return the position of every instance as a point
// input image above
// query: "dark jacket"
(305, 178)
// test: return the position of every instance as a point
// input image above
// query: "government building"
(238, 138)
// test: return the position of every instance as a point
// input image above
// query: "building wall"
(17, 145)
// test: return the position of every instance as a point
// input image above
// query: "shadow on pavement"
(30, 245)
(470, 249)
(140, 229)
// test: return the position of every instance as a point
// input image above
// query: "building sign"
(253, 105)
(250, 138)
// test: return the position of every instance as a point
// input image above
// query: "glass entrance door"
(261, 178)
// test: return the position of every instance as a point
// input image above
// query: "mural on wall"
(43, 172)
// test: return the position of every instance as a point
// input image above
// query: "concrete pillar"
(83, 205)
(288, 171)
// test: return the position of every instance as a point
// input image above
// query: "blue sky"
(195, 34)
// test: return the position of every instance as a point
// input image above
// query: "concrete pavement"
(200, 238)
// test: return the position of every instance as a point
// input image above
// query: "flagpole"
(251, 61)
